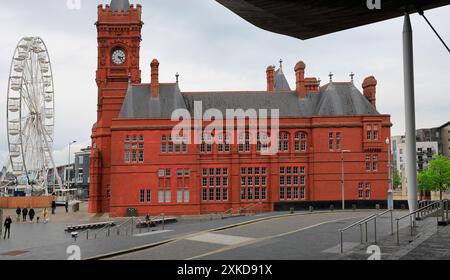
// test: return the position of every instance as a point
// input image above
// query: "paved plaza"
(266, 236)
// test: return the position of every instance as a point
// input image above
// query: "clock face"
(118, 57)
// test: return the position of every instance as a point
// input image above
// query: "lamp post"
(390, 202)
(68, 164)
(342, 177)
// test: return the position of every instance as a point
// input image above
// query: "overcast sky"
(213, 49)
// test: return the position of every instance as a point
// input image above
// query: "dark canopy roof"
(306, 19)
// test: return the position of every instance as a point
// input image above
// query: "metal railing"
(365, 222)
(245, 210)
(428, 209)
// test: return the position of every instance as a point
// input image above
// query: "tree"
(424, 182)
(438, 175)
(397, 179)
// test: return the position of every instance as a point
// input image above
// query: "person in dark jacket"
(18, 212)
(24, 214)
(7, 225)
(66, 205)
(53, 207)
(31, 214)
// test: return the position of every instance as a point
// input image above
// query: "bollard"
(375, 229)
(361, 232)
(291, 210)
(311, 209)
(163, 221)
(87, 234)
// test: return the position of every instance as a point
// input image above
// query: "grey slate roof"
(334, 99)
(281, 84)
(120, 5)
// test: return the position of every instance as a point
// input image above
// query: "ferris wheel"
(31, 113)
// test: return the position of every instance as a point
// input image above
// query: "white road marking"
(151, 233)
(220, 239)
(337, 249)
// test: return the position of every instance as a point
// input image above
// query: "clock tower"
(119, 37)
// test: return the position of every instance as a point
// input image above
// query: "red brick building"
(135, 163)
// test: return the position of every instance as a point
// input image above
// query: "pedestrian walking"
(53, 207)
(18, 212)
(45, 214)
(31, 214)
(7, 225)
(66, 205)
(24, 214)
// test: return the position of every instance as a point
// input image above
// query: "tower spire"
(120, 5)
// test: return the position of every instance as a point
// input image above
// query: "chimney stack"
(154, 84)
(270, 78)
(300, 79)
(370, 90)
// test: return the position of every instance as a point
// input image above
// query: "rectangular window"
(161, 173)
(163, 147)
(168, 173)
(263, 181)
(330, 141)
(360, 191)
(289, 193)
(296, 193)
(302, 180)
(225, 194)
(264, 193)
(368, 193)
(282, 190)
(256, 181)
(211, 194)
(257, 193)
(187, 172)
(205, 182)
(338, 140)
(168, 196)
(180, 172)
(225, 171)
(225, 181)
(369, 132)
(242, 193)
(204, 194)
(242, 181)
(161, 196)
(179, 195)
(186, 195)
(250, 194)
(218, 195)
(149, 195)
(302, 192)
(375, 132)
(142, 196)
